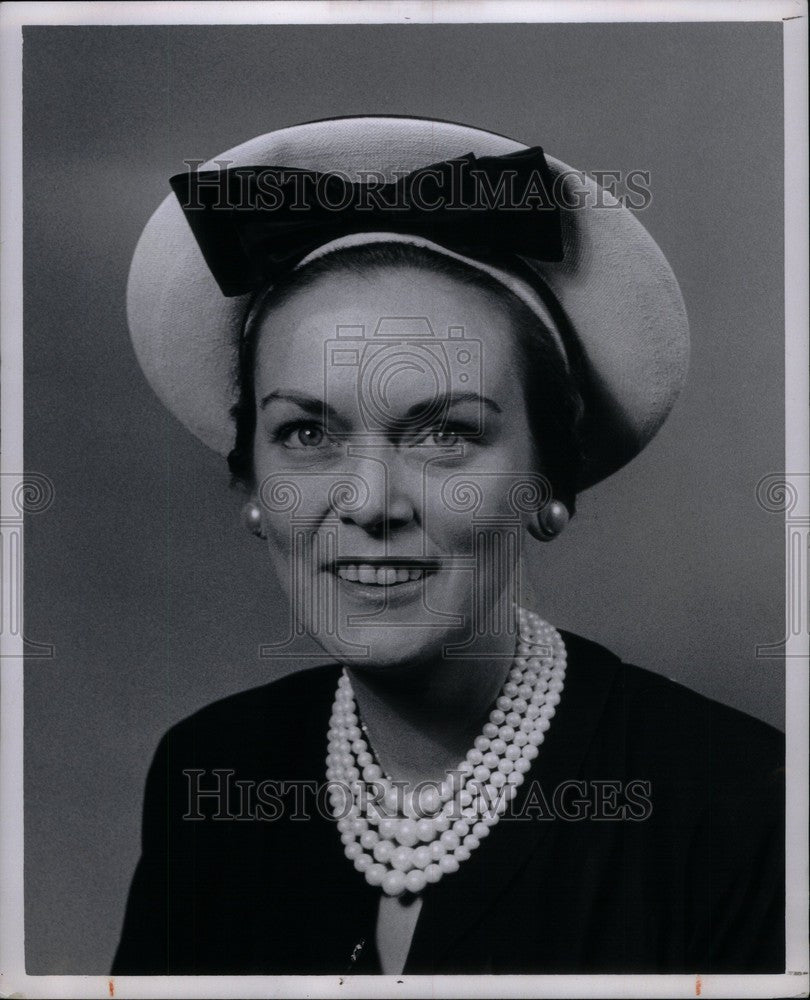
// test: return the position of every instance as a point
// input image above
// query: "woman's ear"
(252, 518)
(551, 521)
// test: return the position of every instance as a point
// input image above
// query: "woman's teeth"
(383, 576)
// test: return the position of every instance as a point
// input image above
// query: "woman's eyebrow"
(447, 400)
(309, 404)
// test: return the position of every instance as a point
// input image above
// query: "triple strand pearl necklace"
(402, 841)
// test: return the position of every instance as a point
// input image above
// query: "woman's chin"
(385, 647)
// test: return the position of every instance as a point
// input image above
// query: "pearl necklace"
(402, 841)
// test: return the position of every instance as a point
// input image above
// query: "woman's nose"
(386, 502)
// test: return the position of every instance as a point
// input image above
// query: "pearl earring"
(551, 521)
(252, 518)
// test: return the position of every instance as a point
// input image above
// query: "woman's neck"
(421, 721)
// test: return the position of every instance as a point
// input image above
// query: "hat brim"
(614, 286)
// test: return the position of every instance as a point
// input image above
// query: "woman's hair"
(551, 390)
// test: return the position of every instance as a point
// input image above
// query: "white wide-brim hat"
(613, 285)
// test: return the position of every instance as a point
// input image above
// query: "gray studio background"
(140, 573)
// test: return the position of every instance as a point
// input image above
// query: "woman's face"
(394, 463)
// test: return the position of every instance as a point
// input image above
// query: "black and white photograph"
(405, 458)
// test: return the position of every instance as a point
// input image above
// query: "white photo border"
(793, 15)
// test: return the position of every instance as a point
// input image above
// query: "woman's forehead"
(324, 323)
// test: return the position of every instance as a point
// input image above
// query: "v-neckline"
(394, 931)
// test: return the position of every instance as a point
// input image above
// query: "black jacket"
(690, 880)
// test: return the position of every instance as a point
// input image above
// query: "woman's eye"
(301, 436)
(444, 438)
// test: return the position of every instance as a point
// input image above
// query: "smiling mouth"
(386, 572)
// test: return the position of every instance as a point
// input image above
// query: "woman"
(416, 342)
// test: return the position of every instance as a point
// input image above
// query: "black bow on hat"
(253, 224)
